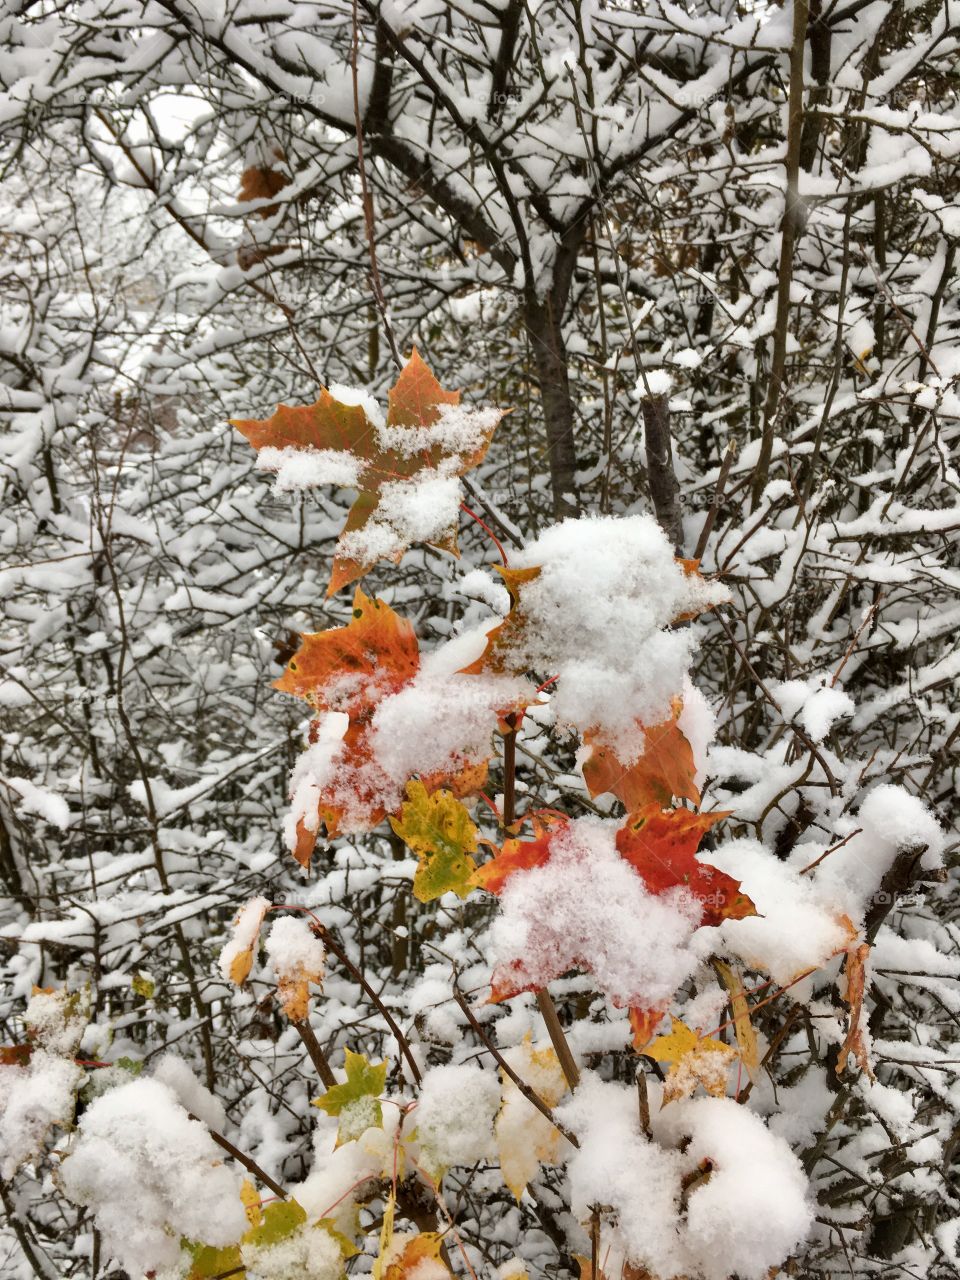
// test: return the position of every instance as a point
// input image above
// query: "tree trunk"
(545, 328)
(661, 476)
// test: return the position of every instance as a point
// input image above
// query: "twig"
(726, 463)
(560, 1043)
(247, 1162)
(39, 1264)
(791, 227)
(375, 281)
(331, 944)
(795, 728)
(317, 1056)
(643, 1101)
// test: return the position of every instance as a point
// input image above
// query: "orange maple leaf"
(404, 450)
(516, 855)
(661, 845)
(665, 769)
(501, 638)
(351, 670)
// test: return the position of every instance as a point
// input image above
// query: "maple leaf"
(661, 844)
(526, 1138)
(856, 1040)
(385, 463)
(351, 670)
(420, 1253)
(357, 1101)
(664, 770)
(15, 1055)
(297, 956)
(502, 638)
(516, 855)
(694, 1060)
(644, 1021)
(440, 832)
(263, 182)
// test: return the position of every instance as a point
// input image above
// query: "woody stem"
(548, 1009)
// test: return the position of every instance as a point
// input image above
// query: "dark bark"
(664, 488)
(550, 357)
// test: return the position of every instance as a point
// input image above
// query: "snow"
(151, 1175)
(744, 1219)
(460, 430)
(293, 950)
(597, 617)
(454, 1117)
(305, 468)
(189, 1092)
(754, 1208)
(891, 819)
(437, 718)
(423, 509)
(797, 926)
(617, 1166)
(39, 801)
(33, 1100)
(588, 908)
(816, 706)
(245, 931)
(309, 1253)
(57, 1019)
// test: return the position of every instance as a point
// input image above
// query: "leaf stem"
(487, 530)
(548, 1009)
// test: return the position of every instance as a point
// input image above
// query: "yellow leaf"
(236, 958)
(693, 1060)
(440, 832)
(251, 1203)
(742, 1026)
(297, 956)
(525, 1138)
(386, 1238)
(418, 1254)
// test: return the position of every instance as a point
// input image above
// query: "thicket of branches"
(707, 255)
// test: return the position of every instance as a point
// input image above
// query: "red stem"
(486, 528)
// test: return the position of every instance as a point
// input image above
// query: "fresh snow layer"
(598, 616)
(454, 1117)
(587, 907)
(33, 1100)
(151, 1175)
(294, 951)
(745, 1218)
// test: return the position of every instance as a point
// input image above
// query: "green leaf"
(133, 1065)
(346, 1246)
(439, 830)
(356, 1102)
(143, 985)
(207, 1261)
(279, 1220)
